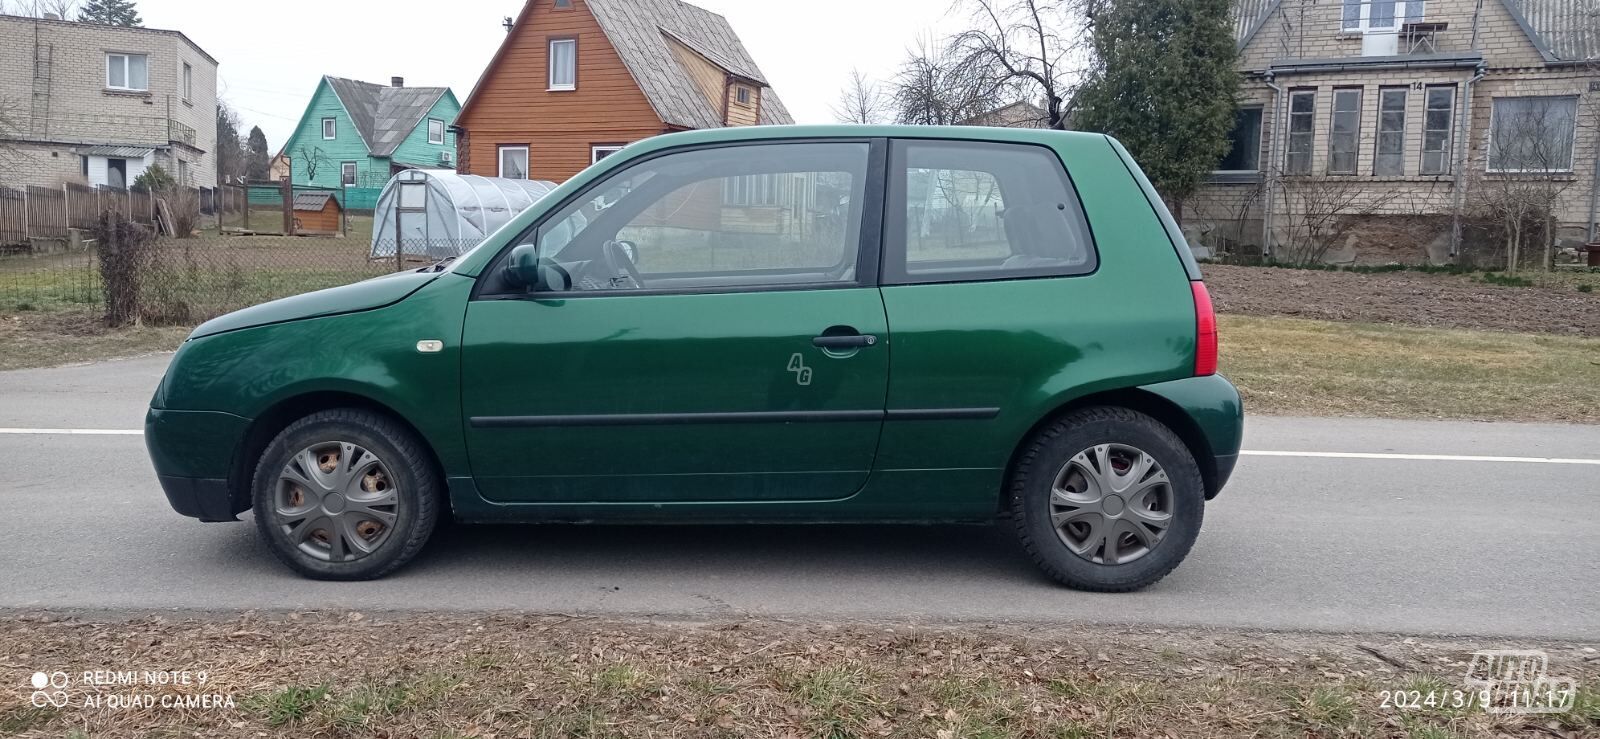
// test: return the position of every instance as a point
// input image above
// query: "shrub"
(126, 251)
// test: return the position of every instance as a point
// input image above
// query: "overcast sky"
(273, 53)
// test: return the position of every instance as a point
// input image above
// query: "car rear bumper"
(193, 452)
(1213, 404)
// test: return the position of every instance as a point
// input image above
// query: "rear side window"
(971, 211)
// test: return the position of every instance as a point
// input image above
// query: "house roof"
(117, 152)
(313, 201)
(383, 115)
(1021, 114)
(1563, 30)
(639, 30)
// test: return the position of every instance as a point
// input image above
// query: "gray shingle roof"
(312, 201)
(1564, 30)
(639, 30)
(384, 116)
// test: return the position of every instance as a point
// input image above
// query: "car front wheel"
(345, 494)
(1107, 499)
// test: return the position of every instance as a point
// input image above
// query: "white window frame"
(1309, 136)
(527, 160)
(1351, 137)
(609, 149)
(550, 60)
(1448, 151)
(1572, 138)
(1405, 11)
(327, 125)
(188, 82)
(431, 139)
(347, 174)
(127, 71)
(1378, 130)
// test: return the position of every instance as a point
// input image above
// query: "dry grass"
(1321, 368)
(50, 339)
(348, 676)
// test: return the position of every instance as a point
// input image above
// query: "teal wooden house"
(357, 134)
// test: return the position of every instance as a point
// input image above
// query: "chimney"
(52, 16)
(397, 82)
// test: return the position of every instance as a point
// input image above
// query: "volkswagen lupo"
(765, 324)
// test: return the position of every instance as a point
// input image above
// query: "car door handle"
(851, 341)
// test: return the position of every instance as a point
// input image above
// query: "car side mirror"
(522, 267)
(524, 270)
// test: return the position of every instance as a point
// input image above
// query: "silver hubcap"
(1111, 504)
(336, 501)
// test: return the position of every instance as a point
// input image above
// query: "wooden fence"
(34, 212)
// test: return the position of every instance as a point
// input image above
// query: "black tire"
(1049, 451)
(418, 496)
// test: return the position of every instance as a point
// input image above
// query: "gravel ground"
(1408, 298)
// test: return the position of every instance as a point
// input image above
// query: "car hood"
(367, 295)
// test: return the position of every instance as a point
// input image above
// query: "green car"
(766, 324)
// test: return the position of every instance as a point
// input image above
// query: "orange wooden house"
(576, 80)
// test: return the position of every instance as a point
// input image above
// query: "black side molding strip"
(680, 419)
(941, 414)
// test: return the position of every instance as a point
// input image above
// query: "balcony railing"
(180, 133)
(1305, 29)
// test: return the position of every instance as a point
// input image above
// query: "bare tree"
(63, 9)
(11, 130)
(1021, 44)
(861, 101)
(934, 89)
(1320, 211)
(310, 159)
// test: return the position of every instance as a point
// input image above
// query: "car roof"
(843, 130)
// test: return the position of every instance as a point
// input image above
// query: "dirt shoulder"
(395, 676)
(1408, 298)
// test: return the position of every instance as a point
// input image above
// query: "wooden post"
(27, 226)
(247, 205)
(66, 208)
(287, 188)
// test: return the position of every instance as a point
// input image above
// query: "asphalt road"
(1423, 546)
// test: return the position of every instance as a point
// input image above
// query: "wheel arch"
(1135, 399)
(275, 418)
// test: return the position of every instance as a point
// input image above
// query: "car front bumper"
(193, 454)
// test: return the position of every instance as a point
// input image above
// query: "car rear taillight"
(1205, 322)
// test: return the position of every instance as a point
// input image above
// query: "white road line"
(1246, 452)
(1425, 457)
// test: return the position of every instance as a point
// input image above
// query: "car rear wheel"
(345, 494)
(1107, 499)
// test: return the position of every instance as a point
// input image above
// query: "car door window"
(728, 217)
(980, 211)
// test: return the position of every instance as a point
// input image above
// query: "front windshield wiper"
(438, 266)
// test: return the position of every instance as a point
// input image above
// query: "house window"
(1532, 134)
(1302, 130)
(1344, 131)
(563, 64)
(127, 72)
(601, 151)
(1439, 111)
(755, 190)
(330, 129)
(1390, 156)
(1380, 15)
(435, 131)
(742, 94)
(188, 82)
(514, 162)
(1244, 152)
(347, 174)
(563, 3)
(183, 172)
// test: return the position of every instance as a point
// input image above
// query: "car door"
(711, 331)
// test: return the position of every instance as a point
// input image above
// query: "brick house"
(97, 105)
(576, 80)
(1409, 116)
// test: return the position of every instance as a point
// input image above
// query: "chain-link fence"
(185, 281)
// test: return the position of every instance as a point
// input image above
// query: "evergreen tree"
(1163, 82)
(110, 13)
(258, 159)
(230, 150)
